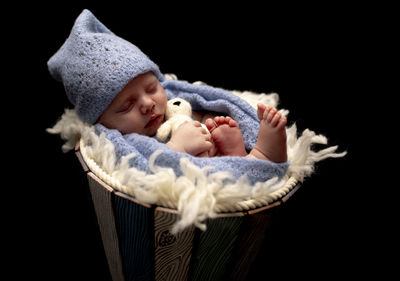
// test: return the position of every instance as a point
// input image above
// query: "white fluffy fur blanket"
(195, 194)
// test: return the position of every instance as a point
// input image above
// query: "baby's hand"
(190, 138)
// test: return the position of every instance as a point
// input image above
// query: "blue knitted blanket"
(206, 98)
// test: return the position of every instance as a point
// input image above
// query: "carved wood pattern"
(172, 253)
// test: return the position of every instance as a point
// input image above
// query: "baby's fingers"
(204, 131)
(196, 123)
(207, 145)
(207, 137)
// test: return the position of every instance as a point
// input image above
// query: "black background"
(321, 62)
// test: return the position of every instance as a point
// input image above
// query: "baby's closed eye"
(152, 88)
(126, 105)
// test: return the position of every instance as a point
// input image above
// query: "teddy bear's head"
(178, 106)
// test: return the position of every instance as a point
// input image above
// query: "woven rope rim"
(246, 205)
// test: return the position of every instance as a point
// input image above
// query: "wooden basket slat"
(80, 158)
(253, 233)
(135, 231)
(102, 201)
(214, 249)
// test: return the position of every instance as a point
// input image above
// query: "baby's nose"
(147, 105)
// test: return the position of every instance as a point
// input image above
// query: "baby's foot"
(226, 135)
(271, 142)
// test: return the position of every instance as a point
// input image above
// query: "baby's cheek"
(162, 100)
(128, 125)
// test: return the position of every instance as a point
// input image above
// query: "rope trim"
(241, 206)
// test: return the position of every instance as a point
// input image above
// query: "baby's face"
(138, 108)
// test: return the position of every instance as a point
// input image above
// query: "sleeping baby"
(111, 82)
(140, 108)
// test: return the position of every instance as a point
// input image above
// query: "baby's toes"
(269, 115)
(275, 120)
(233, 123)
(210, 124)
(260, 110)
(282, 122)
(222, 120)
(229, 121)
(218, 120)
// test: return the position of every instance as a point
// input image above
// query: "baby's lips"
(152, 119)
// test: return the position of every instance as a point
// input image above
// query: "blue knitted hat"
(95, 65)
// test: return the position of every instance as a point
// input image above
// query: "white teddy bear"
(178, 111)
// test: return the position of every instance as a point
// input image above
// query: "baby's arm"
(190, 138)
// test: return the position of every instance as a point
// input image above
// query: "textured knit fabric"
(206, 98)
(95, 65)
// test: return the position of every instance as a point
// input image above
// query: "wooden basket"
(139, 246)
